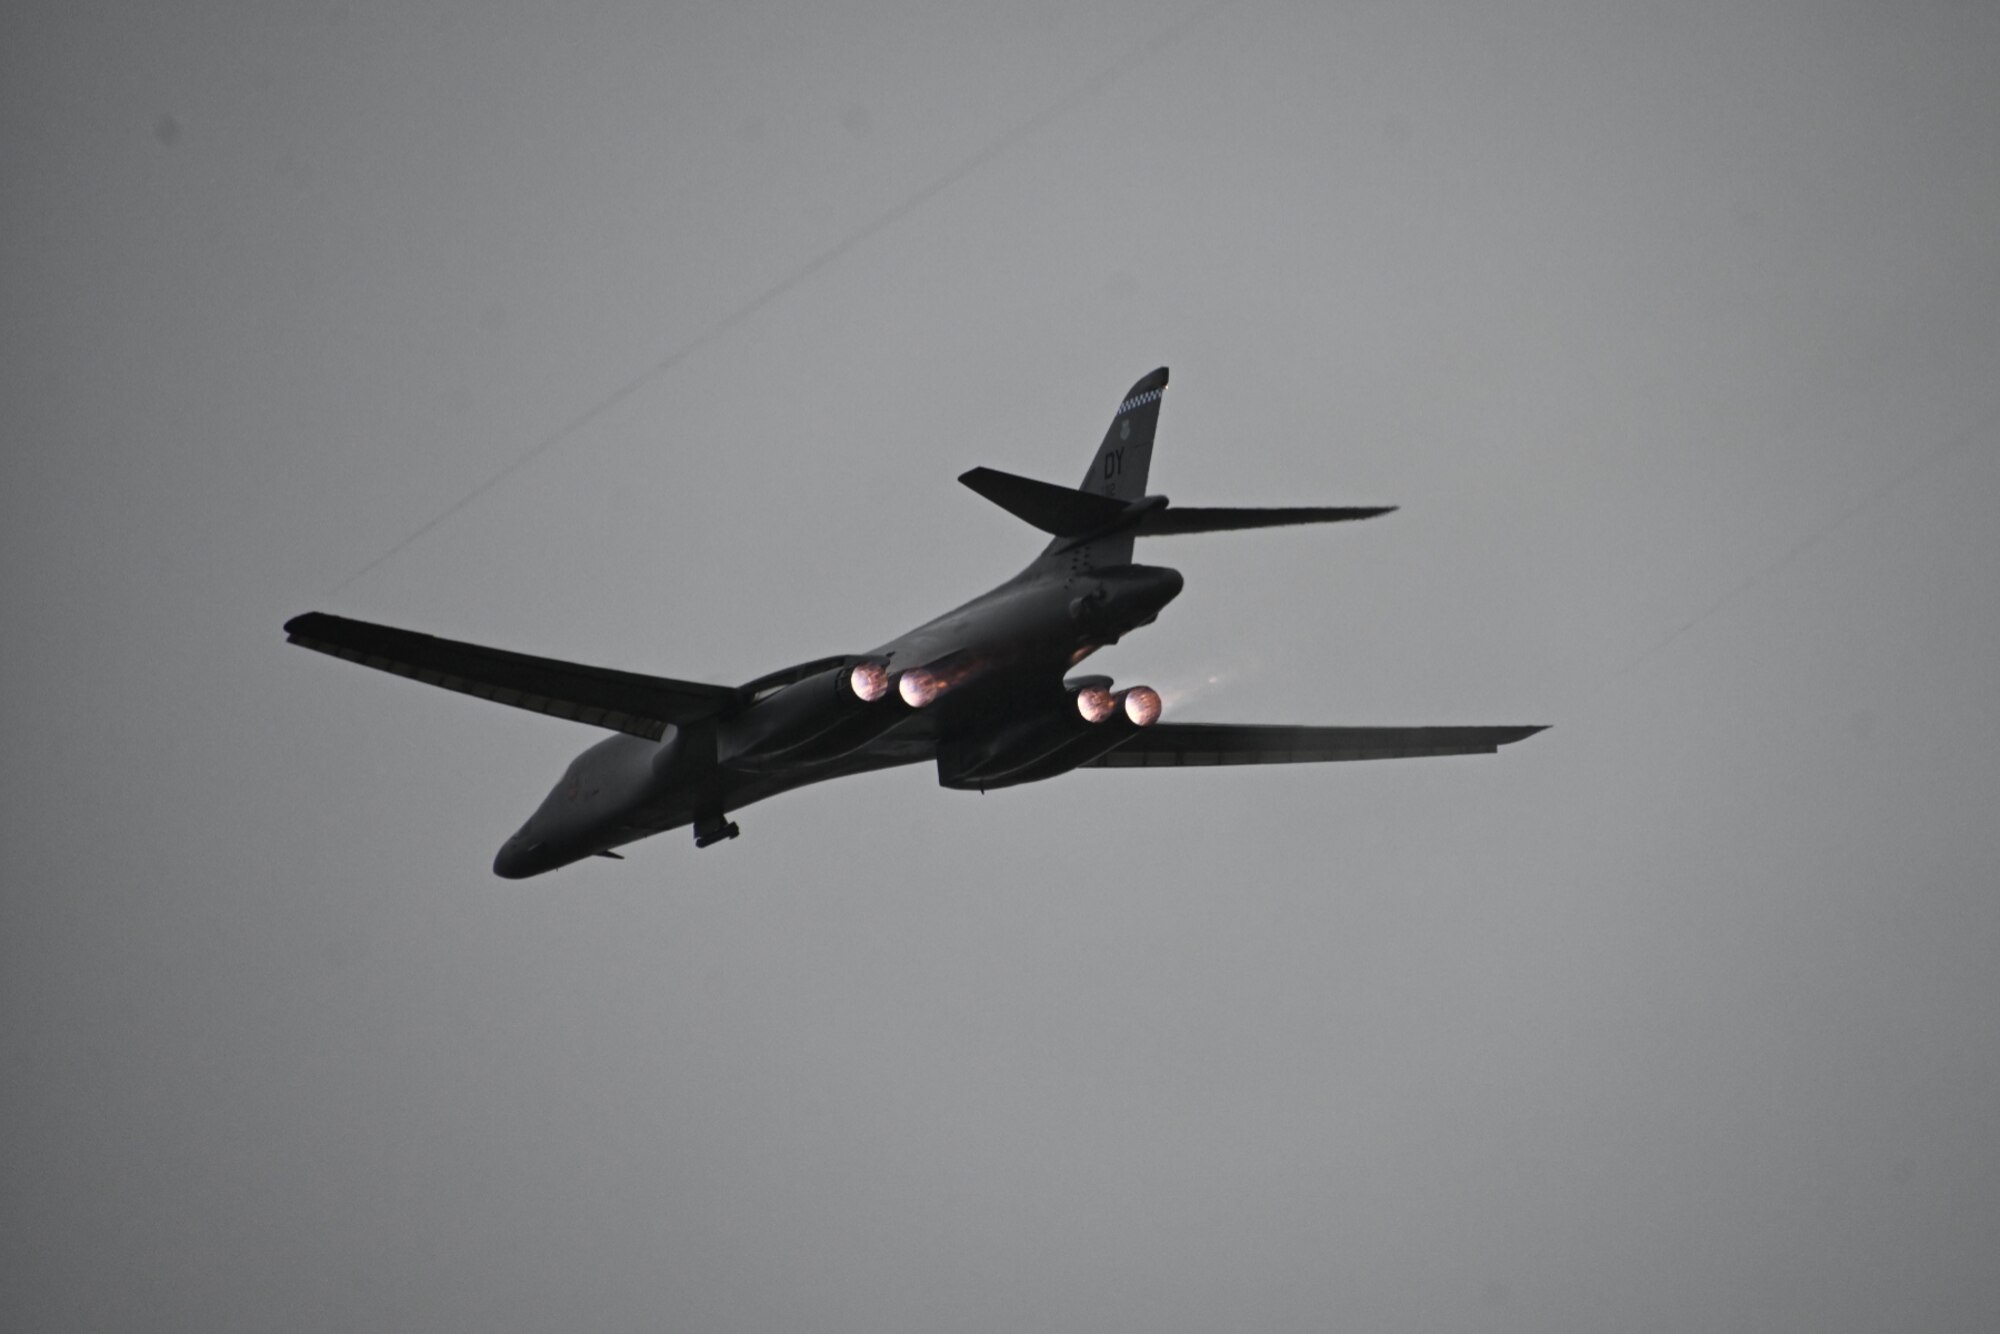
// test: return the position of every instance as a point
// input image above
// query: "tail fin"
(1119, 470)
(1094, 525)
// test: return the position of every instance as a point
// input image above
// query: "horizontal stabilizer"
(1173, 745)
(1060, 510)
(621, 701)
(1177, 519)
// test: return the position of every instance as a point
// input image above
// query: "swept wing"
(1173, 745)
(621, 701)
(1177, 519)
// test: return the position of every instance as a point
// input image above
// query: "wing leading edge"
(1174, 745)
(599, 696)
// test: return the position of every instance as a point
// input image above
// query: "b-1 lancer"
(983, 691)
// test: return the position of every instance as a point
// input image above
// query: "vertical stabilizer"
(1122, 462)
(1119, 470)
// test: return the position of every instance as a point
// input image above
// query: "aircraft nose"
(515, 860)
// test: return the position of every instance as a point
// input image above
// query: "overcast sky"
(1674, 330)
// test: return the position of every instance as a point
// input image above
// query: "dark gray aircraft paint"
(980, 690)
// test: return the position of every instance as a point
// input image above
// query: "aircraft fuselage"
(1000, 654)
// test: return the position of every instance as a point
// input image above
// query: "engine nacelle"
(1046, 743)
(1139, 704)
(817, 717)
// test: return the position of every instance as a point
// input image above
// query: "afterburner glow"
(1095, 704)
(918, 687)
(1142, 705)
(869, 681)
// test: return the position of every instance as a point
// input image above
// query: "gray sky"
(1674, 329)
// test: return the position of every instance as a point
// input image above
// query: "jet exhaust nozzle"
(1142, 705)
(1096, 704)
(869, 681)
(919, 687)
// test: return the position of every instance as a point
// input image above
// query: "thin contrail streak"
(1923, 463)
(1086, 91)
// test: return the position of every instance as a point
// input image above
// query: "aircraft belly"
(906, 745)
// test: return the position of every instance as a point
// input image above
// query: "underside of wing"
(621, 701)
(1172, 745)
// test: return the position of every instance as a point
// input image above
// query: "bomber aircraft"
(982, 691)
